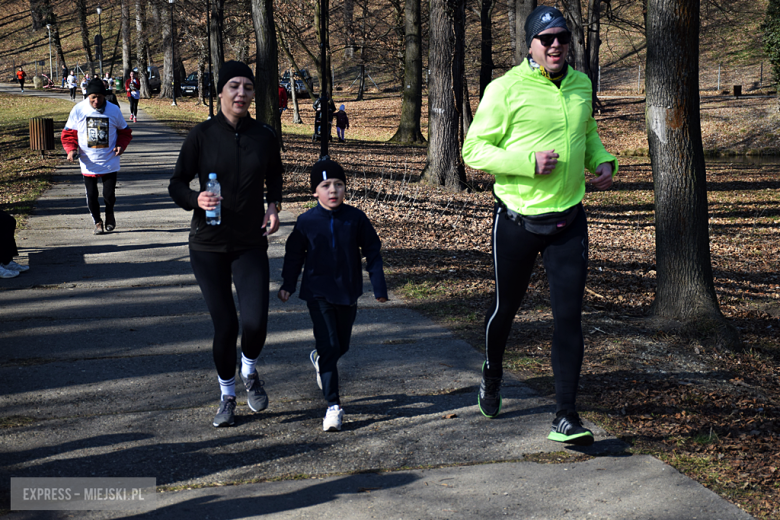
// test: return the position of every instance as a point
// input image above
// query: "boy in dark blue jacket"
(328, 242)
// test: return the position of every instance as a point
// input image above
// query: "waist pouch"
(544, 224)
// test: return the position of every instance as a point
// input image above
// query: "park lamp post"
(51, 70)
(173, 57)
(100, 41)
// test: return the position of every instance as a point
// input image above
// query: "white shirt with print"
(97, 136)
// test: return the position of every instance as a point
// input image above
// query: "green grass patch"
(24, 173)
(422, 290)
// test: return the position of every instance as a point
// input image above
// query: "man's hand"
(271, 220)
(118, 151)
(72, 155)
(283, 295)
(545, 162)
(604, 179)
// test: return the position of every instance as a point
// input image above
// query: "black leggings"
(332, 326)
(133, 106)
(109, 196)
(565, 257)
(73, 93)
(249, 271)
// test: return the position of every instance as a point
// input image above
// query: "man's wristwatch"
(278, 204)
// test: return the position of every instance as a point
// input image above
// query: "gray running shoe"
(225, 417)
(256, 397)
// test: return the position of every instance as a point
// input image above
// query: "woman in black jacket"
(244, 154)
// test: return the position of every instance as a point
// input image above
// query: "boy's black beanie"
(325, 169)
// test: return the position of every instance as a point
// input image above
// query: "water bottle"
(214, 216)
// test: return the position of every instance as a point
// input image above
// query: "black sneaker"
(567, 427)
(256, 397)
(225, 417)
(489, 398)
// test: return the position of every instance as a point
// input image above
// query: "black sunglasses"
(564, 38)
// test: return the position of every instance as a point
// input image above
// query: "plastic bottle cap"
(212, 175)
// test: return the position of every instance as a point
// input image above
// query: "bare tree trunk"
(141, 48)
(81, 11)
(202, 59)
(267, 73)
(349, 29)
(522, 9)
(323, 69)
(468, 116)
(594, 42)
(166, 89)
(126, 45)
(573, 13)
(486, 45)
(155, 26)
(35, 13)
(411, 108)
(511, 16)
(217, 45)
(444, 166)
(685, 290)
(296, 114)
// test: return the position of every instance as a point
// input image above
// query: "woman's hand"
(271, 220)
(283, 295)
(208, 201)
(604, 179)
(545, 162)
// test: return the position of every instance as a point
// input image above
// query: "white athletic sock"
(227, 386)
(247, 365)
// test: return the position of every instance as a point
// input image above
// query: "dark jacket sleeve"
(273, 179)
(370, 247)
(186, 170)
(294, 257)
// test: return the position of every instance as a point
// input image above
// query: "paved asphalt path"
(107, 372)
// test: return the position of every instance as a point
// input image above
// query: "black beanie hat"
(541, 19)
(96, 86)
(233, 69)
(325, 169)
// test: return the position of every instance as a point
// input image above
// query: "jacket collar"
(242, 125)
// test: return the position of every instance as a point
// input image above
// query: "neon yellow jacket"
(522, 113)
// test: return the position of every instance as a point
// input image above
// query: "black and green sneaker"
(489, 398)
(567, 427)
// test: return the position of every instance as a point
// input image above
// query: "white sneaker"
(315, 360)
(13, 266)
(333, 419)
(7, 273)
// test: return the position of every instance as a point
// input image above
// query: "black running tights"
(565, 257)
(109, 196)
(133, 106)
(249, 272)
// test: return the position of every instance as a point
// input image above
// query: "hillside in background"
(730, 41)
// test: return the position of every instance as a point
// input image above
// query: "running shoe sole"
(579, 439)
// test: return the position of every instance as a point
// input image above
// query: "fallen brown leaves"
(711, 413)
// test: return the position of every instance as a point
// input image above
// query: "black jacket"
(329, 245)
(245, 159)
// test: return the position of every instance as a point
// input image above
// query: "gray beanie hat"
(541, 19)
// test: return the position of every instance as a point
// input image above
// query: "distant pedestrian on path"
(244, 153)
(534, 131)
(282, 99)
(8, 250)
(342, 123)
(328, 243)
(21, 75)
(133, 89)
(99, 134)
(72, 83)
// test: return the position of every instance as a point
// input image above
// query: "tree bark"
(126, 45)
(166, 89)
(267, 73)
(573, 14)
(81, 10)
(594, 43)
(486, 45)
(296, 114)
(141, 48)
(444, 165)
(36, 15)
(511, 15)
(323, 70)
(411, 107)
(522, 9)
(217, 44)
(349, 29)
(685, 290)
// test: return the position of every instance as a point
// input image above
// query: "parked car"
(154, 77)
(189, 87)
(302, 84)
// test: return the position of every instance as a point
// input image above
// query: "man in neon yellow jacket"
(535, 132)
